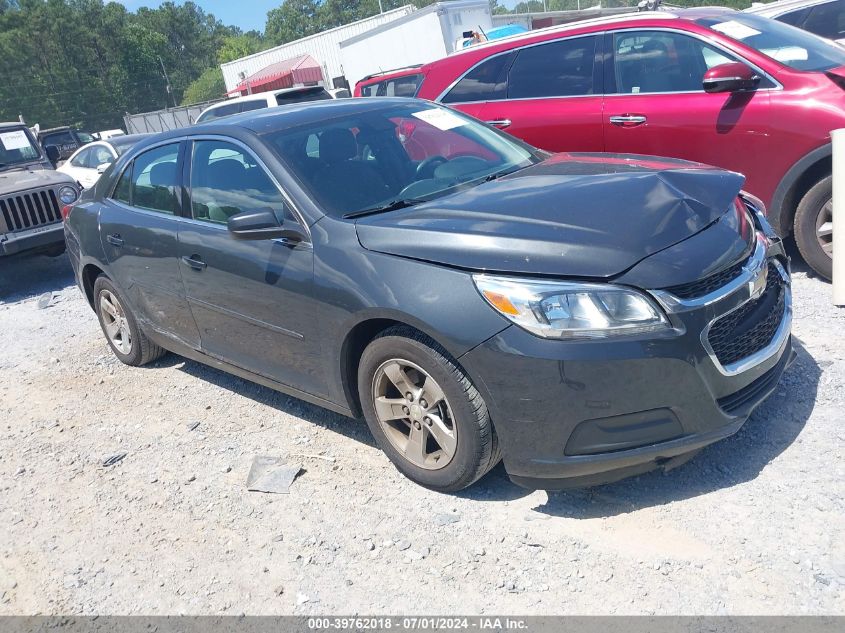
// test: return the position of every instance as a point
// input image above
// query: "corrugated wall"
(324, 47)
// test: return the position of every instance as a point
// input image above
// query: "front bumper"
(40, 238)
(572, 414)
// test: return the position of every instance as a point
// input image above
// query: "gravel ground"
(752, 525)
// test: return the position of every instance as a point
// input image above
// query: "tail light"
(66, 212)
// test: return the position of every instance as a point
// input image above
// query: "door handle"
(628, 120)
(114, 239)
(501, 123)
(194, 261)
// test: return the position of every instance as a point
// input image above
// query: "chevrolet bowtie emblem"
(757, 285)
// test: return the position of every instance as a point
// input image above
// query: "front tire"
(814, 227)
(424, 411)
(127, 341)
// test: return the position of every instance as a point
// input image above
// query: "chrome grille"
(23, 211)
(705, 286)
(751, 327)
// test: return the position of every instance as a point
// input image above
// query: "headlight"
(68, 195)
(572, 310)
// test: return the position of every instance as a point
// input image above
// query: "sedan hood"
(580, 215)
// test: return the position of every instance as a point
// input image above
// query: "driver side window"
(662, 62)
(82, 159)
(227, 180)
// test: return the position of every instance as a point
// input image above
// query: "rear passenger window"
(248, 106)
(795, 18)
(485, 82)
(557, 69)
(226, 180)
(155, 180)
(827, 20)
(221, 111)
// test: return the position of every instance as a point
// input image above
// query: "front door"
(138, 230)
(252, 299)
(656, 105)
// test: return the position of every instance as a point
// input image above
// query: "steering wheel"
(426, 168)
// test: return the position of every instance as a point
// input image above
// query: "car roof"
(286, 116)
(125, 139)
(52, 130)
(10, 124)
(263, 96)
(686, 15)
(393, 72)
(782, 6)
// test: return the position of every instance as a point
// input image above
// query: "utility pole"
(167, 81)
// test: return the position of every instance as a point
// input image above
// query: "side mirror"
(730, 77)
(102, 168)
(260, 225)
(52, 153)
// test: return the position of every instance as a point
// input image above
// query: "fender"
(779, 217)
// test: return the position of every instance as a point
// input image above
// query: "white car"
(260, 100)
(825, 18)
(87, 163)
(107, 134)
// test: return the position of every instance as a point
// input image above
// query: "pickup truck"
(32, 194)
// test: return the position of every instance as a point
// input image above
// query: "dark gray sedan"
(583, 317)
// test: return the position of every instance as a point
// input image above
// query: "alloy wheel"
(414, 414)
(824, 228)
(114, 322)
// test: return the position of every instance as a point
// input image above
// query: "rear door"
(554, 96)
(655, 104)
(138, 229)
(548, 94)
(252, 299)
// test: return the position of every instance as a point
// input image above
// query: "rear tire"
(811, 227)
(127, 341)
(470, 448)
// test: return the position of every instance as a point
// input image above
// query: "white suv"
(825, 18)
(261, 100)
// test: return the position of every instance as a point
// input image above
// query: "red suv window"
(405, 86)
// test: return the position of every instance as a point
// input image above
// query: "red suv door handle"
(628, 120)
(500, 123)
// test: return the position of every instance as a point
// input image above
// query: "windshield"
(365, 161)
(16, 146)
(784, 43)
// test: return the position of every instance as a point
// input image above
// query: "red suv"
(711, 85)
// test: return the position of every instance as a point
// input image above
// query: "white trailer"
(418, 38)
(322, 46)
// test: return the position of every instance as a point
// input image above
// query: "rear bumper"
(37, 239)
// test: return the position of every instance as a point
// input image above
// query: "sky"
(247, 14)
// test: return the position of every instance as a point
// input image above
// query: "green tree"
(237, 46)
(206, 87)
(291, 21)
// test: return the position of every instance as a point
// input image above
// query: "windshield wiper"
(393, 205)
(500, 173)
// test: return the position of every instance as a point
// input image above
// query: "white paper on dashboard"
(15, 139)
(441, 119)
(735, 29)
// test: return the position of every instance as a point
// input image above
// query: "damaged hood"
(580, 215)
(35, 177)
